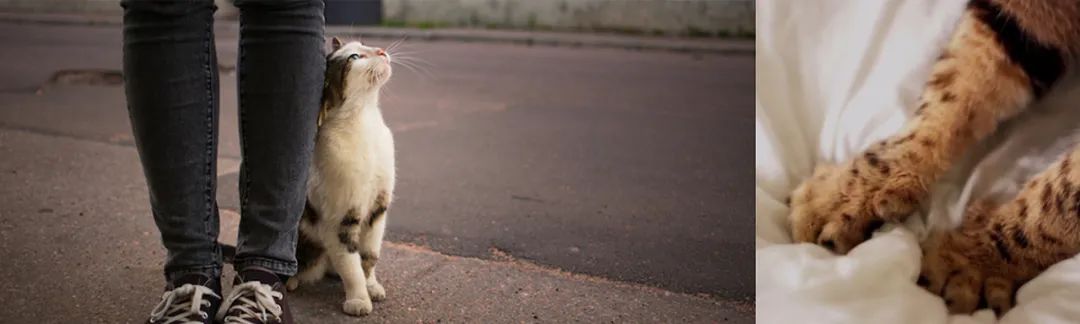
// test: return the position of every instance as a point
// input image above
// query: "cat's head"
(355, 69)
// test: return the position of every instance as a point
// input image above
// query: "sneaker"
(190, 299)
(257, 297)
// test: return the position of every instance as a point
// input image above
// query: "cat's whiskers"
(409, 56)
(397, 43)
(409, 61)
(416, 60)
(403, 53)
(421, 71)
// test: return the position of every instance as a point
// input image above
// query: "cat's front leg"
(998, 248)
(349, 266)
(369, 253)
(374, 288)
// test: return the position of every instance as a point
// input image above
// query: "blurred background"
(704, 18)
(558, 160)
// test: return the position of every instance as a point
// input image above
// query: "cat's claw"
(358, 307)
(964, 272)
(840, 206)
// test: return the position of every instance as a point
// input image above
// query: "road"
(627, 165)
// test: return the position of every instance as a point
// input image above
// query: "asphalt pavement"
(629, 168)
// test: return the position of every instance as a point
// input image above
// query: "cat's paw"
(965, 268)
(376, 291)
(840, 206)
(292, 284)
(358, 306)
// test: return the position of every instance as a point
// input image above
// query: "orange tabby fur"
(1002, 56)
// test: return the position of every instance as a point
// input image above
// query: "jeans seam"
(244, 187)
(210, 205)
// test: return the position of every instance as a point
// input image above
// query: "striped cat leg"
(370, 252)
(995, 252)
(348, 266)
(1035, 42)
(345, 257)
(371, 246)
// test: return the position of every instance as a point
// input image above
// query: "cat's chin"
(385, 72)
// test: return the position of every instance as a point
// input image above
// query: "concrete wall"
(725, 17)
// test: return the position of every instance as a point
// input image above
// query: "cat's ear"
(335, 44)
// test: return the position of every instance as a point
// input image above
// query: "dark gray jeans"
(171, 80)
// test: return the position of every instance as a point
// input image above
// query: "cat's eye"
(356, 56)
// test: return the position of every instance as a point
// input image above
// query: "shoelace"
(254, 300)
(174, 308)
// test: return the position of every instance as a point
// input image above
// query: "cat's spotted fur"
(1004, 55)
(352, 178)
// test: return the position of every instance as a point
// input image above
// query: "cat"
(352, 178)
(1004, 55)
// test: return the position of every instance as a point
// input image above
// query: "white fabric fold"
(835, 76)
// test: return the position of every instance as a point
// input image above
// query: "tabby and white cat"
(1004, 55)
(352, 178)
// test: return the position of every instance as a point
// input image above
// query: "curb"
(527, 38)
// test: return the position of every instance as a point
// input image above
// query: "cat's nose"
(380, 52)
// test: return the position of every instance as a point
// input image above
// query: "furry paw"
(965, 268)
(357, 307)
(292, 284)
(376, 291)
(841, 205)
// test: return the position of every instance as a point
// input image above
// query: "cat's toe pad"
(377, 292)
(357, 307)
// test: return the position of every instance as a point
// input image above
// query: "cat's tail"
(228, 252)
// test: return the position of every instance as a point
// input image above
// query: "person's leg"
(170, 78)
(280, 80)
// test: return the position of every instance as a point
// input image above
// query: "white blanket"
(833, 77)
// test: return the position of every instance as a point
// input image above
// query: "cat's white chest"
(353, 164)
